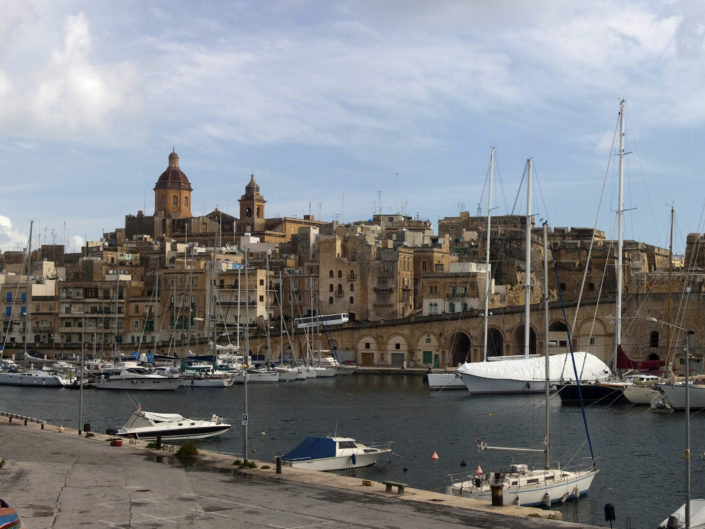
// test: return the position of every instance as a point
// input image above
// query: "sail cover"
(589, 367)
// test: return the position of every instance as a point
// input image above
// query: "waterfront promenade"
(60, 480)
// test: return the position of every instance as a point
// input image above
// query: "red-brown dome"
(173, 177)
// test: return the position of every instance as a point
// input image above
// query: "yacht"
(169, 426)
(138, 378)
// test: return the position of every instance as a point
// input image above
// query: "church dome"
(173, 177)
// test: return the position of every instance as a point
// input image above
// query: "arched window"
(330, 300)
(330, 273)
(340, 273)
(653, 339)
(175, 200)
(259, 212)
(352, 300)
(186, 201)
(340, 289)
(330, 287)
(352, 287)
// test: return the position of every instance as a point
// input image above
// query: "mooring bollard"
(159, 442)
(279, 464)
(42, 425)
(25, 421)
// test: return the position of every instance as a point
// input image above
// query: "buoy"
(434, 457)
(478, 471)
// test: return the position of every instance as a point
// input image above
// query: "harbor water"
(640, 453)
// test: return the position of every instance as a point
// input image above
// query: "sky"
(346, 108)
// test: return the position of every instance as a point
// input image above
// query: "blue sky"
(342, 108)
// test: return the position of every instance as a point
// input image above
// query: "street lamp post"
(689, 336)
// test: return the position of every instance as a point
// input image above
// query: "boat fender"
(354, 459)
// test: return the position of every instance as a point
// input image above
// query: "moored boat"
(169, 426)
(333, 453)
(138, 378)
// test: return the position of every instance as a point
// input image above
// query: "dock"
(56, 478)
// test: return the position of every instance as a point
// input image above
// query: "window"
(24, 297)
(451, 308)
(352, 287)
(330, 300)
(340, 289)
(331, 288)
(8, 297)
(261, 282)
(137, 324)
(397, 346)
(367, 345)
(175, 201)
(653, 339)
(352, 300)
(261, 298)
(340, 273)
(186, 201)
(330, 273)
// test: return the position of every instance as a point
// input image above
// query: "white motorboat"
(257, 376)
(206, 379)
(169, 426)
(138, 378)
(642, 390)
(34, 377)
(288, 374)
(333, 453)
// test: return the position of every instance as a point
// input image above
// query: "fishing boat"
(169, 426)
(333, 453)
(519, 484)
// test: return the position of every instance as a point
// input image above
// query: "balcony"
(383, 289)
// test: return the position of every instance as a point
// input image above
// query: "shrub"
(151, 445)
(89, 435)
(188, 449)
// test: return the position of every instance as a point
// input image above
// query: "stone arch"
(592, 336)
(397, 349)
(367, 351)
(518, 339)
(495, 342)
(427, 350)
(459, 348)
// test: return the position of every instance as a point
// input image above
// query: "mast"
(488, 275)
(547, 441)
(527, 285)
(246, 358)
(670, 274)
(156, 319)
(268, 359)
(27, 320)
(281, 321)
(620, 241)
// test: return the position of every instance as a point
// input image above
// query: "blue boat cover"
(312, 448)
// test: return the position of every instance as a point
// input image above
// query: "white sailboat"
(521, 485)
(519, 373)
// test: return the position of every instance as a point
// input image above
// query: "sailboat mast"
(488, 276)
(620, 240)
(27, 320)
(527, 285)
(547, 441)
(670, 277)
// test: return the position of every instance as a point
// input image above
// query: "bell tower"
(252, 208)
(172, 193)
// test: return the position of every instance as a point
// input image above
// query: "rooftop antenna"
(379, 201)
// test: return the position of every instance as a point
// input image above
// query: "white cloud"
(10, 239)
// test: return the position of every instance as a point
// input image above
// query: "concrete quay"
(58, 479)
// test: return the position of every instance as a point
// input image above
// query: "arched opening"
(653, 356)
(557, 326)
(495, 342)
(459, 348)
(519, 341)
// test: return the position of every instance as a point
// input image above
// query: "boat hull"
(31, 379)
(491, 386)
(675, 396)
(597, 393)
(140, 384)
(203, 432)
(339, 462)
(638, 394)
(444, 381)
